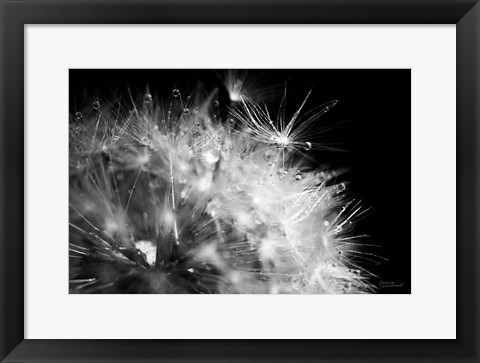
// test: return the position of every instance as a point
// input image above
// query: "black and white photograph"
(239, 181)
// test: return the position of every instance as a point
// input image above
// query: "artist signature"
(390, 284)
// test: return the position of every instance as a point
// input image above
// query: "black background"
(372, 124)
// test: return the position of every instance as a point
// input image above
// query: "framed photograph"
(239, 181)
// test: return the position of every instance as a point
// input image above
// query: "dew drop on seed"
(298, 177)
(147, 98)
(340, 187)
(78, 115)
(216, 103)
(308, 145)
(297, 283)
(148, 151)
(96, 105)
(176, 92)
(326, 223)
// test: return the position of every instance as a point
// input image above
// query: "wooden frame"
(15, 14)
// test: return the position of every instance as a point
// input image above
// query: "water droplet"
(116, 130)
(147, 98)
(308, 145)
(326, 223)
(191, 270)
(148, 151)
(340, 187)
(297, 283)
(216, 103)
(96, 105)
(186, 111)
(78, 115)
(298, 177)
(176, 92)
(338, 229)
(130, 191)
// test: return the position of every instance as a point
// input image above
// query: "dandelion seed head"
(226, 200)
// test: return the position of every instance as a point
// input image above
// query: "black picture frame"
(15, 14)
